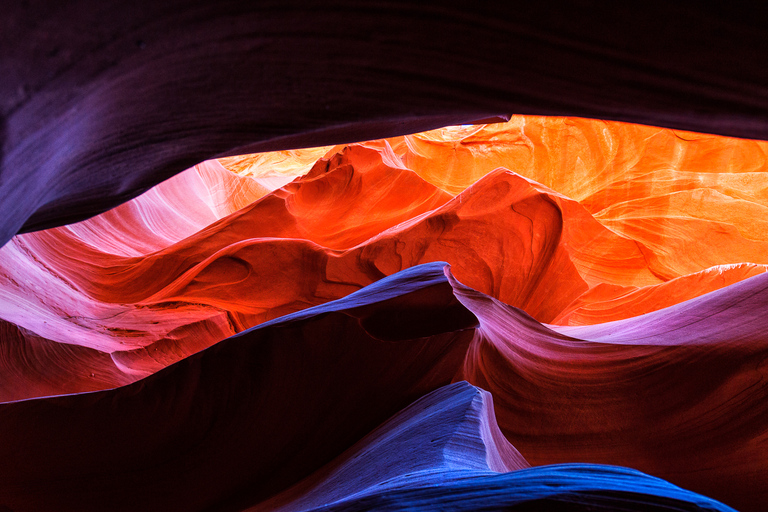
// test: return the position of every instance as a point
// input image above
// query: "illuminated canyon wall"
(100, 101)
(548, 313)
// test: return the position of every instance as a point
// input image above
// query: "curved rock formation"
(605, 303)
(33, 366)
(250, 417)
(449, 433)
(649, 243)
(90, 118)
(678, 393)
(149, 289)
(174, 210)
(448, 440)
(222, 421)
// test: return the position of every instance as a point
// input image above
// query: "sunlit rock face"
(248, 323)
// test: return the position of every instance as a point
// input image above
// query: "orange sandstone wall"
(574, 221)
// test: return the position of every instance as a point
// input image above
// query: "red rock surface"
(615, 318)
(678, 393)
(208, 254)
(248, 418)
(620, 228)
(91, 118)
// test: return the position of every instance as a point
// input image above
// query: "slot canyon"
(319, 256)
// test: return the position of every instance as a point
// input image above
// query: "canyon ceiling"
(488, 256)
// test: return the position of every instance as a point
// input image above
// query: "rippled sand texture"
(606, 289)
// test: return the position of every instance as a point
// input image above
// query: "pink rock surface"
(595, 223)
(677, 393)
(89, 119)
(648, 392)
(148, 289)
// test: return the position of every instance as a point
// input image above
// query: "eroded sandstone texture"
(294, 330)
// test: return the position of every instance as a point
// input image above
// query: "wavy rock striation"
(227, 340)
(249, 420)
(678, 393)
(188, 265)
(89, 119)
(244, 419)
(445, 451)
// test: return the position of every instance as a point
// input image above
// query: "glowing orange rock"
(606, 303)
(598, 163)
(676, 393)
(693, 201)
(208, 254)
(275, 164)
(126, 306)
